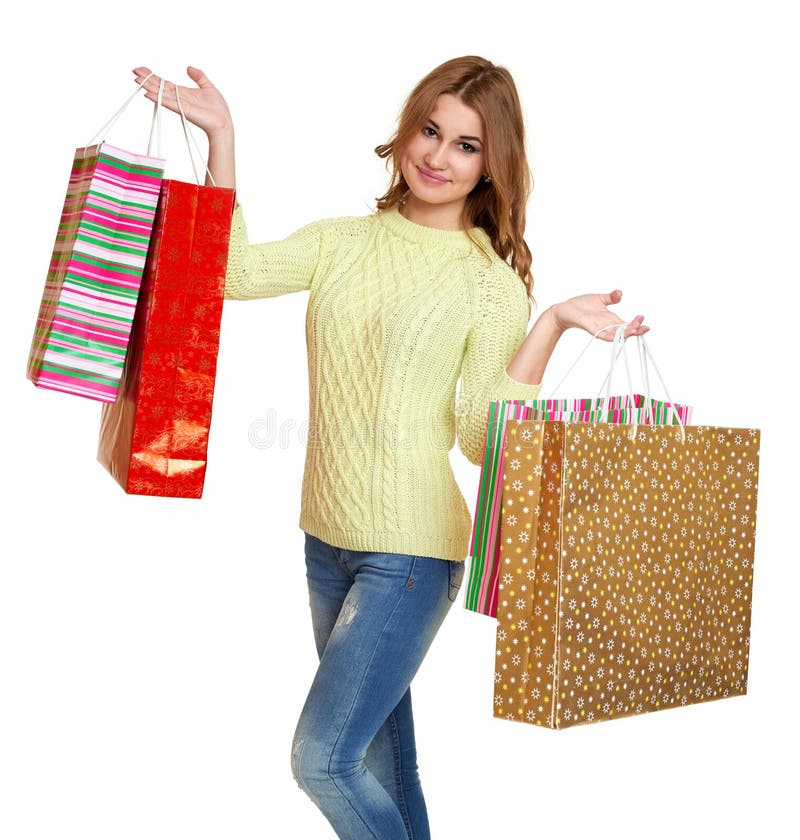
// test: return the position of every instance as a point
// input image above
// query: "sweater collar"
(455, 240)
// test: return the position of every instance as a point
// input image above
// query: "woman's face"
(444, 162)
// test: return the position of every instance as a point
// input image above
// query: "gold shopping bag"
(626, 569)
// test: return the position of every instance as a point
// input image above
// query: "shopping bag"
(154, 438)
(482, 580)
(84, 321)
(627, 564)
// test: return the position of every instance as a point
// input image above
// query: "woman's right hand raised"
(203, 105)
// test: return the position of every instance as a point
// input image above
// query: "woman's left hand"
(591, 313)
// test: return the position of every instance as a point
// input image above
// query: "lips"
(431, 177)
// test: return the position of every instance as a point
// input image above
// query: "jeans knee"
(297, 761)
(309, 766)
(315, 769)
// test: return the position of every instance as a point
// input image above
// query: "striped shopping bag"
(85, 317)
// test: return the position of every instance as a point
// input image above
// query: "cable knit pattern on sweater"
(396, 313)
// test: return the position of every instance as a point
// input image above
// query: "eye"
(468, 147)
(429, 131)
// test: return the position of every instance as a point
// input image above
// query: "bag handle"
(188, 135)
(617, 350)
(617, 347)
(645, 358)
(155, 125)
(109, 124)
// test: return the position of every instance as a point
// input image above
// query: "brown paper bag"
(626, 569)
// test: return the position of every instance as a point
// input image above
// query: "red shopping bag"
(154, 438)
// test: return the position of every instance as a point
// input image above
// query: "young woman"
(433, 287)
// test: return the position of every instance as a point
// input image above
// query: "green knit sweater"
(396, 313)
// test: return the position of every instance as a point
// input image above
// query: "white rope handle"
(645, 358)
(155, 125)
(645, 379)
(100, 135)
(189, 136)
(675, 413)
(617, 350)
(617, 347)
(580, 356)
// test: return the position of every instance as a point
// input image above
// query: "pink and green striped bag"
(483, 581)
(86, 313)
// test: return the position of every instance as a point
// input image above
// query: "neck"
(442, 216)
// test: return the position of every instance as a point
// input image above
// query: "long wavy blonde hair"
(498, 205)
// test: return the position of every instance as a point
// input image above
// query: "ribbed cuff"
(507, 388)
(237, 250)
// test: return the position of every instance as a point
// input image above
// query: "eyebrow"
(461, 136)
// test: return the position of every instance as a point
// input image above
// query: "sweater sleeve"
(271, 268)
(499, 327)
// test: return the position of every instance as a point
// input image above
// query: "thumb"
(612, 298)
(198, 77)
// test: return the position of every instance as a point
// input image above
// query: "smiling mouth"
(431, 177)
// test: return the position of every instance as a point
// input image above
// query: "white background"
(155, 653)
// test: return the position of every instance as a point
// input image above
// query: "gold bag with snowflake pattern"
(626, 569)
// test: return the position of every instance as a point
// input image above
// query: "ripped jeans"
(374, 616)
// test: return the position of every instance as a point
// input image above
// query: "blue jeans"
(374, 616)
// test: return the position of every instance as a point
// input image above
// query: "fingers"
(152, 85)
(635, 327)
(142, 73)
(606, 331)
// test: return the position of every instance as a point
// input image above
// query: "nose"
(436, 157)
